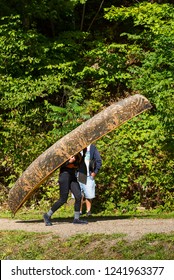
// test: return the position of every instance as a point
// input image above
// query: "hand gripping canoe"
(91, 130)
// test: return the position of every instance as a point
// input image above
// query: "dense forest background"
(61, 62)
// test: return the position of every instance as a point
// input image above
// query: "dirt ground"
(133, 228)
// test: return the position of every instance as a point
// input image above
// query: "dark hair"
(78, 157)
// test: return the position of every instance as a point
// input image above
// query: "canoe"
(72, 143)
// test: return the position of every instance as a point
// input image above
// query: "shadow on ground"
(90, 218)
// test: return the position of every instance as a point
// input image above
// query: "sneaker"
(78, 221)
(88, 213)
(47, 220)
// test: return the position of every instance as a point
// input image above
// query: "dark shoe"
(47, 220)
(78, 221)
(88, 213)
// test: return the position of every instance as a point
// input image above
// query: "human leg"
(75, 189)
(89, 193)
(82, 203)
(88, 206)
(64, 183)
(83, 198)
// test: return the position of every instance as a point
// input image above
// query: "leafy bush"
(50, 86)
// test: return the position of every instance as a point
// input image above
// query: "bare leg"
(82, 202)
(88, 205)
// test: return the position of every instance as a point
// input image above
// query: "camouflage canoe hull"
(91, 130)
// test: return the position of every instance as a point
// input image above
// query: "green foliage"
(51, 84)
(33, 82)
(152, 53)
(136, 168)
(144, 155)
(105, 71)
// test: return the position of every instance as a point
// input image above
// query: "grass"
(67, 210)
(20, 245)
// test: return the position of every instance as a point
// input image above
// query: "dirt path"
(64, 228)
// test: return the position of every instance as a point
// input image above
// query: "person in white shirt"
(88, 169)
